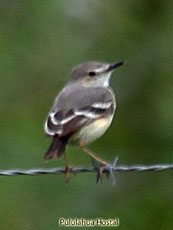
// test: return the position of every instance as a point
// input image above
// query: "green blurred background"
(40, 42)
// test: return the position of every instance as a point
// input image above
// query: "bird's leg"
(67, 170)
(91, 154)
(102, 163)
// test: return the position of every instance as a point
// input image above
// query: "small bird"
(83, 110)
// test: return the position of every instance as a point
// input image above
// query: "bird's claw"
(108, 169)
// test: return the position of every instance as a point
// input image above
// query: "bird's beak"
(114, 65)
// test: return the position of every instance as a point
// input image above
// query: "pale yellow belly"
(93, 131)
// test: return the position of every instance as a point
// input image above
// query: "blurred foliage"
(40, 42)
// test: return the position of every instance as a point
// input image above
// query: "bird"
(82, 111)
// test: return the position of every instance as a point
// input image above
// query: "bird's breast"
(93, 131)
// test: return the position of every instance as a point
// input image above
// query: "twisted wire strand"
(135, 168)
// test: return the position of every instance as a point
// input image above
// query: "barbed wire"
(114, 168)
(108, 170)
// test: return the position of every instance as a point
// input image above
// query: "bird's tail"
(57, 148)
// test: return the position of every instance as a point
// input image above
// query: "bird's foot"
(108, 169)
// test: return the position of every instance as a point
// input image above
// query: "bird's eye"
(92, 73)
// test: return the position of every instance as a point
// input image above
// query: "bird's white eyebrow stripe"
(100, 105)
(101, 69)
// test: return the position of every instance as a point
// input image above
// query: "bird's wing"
(76, 107)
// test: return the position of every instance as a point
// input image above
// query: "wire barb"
(109, 171)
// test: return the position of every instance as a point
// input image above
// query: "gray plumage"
(84, 109)
(74, 99)
(83, 69)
